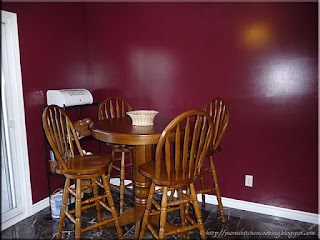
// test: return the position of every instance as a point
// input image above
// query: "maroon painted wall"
(53, 50)
(260, 57)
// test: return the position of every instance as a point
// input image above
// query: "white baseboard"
(264, 209)
(229, 202)
(45, 203)
(40, 205)
(116, 181)
(254, 207)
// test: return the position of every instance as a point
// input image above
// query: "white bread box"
(69, 97)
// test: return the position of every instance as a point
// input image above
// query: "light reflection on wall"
(286, 76)
(256, 35)
(152, 65)
(154, 70)
(33, 99)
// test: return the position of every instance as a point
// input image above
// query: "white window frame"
(10, 19)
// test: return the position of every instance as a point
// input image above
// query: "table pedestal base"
(141, 154)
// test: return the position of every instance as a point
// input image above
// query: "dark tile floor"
(239, 225)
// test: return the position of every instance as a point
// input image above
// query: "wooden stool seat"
(62, 136)
(176, 179)
(87, 164)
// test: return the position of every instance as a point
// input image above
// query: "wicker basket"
(142, 117)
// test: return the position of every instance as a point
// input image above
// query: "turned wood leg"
(109, 172)
(197, 212)
(203, 187)
(187, 204)
(147, 211)
(122, 177)
(95, 192)
(63, 207)
(171, 195)
(215, 180)
(111, 206)
(110, 166)
(163, 213)
(182, 212)
(78, 210)
(141, 155)
(130, 159)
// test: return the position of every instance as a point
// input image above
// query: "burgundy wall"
(53, 50)
(260, 57)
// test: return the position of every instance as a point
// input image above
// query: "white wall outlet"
(248, 181)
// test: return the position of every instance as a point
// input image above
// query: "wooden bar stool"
(116, 107)
(185, 142)
(219, 111)
(61, 136)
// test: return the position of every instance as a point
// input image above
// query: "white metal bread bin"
(69, 97)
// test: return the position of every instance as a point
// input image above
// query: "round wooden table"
(121, 131)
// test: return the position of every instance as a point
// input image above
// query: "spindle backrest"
(219, 111)
(60, 134)
(185, 142)
(113, 107)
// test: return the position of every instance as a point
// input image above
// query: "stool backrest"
(113, 107)
(219, 111)
(60, 133)
(184, 142)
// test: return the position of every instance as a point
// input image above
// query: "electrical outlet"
(248, 181)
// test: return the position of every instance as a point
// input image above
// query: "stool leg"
(197, 212)
(186, 210)
(215, 180)
(131, 164)
(111, 205)
(78, 209)
(122, 177)
(163, 213)
(110, 168)
(203, 187)
(95, 192)
(108, 174)
(147, 211)
(63, 207)
(182, 211)
(111, 165)
(171, 195)
(130, 161)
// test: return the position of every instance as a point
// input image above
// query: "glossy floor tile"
(239, 225)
